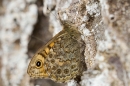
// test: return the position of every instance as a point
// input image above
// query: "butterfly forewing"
(61, 59)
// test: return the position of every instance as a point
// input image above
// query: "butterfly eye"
(38, 63)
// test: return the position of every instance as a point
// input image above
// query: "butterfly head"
(36, 67)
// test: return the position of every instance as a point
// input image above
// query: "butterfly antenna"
(37, 38)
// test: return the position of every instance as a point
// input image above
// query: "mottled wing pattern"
(61, 59)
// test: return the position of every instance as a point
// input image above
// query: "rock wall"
(26, 25)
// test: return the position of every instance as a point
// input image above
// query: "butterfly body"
(61, 59)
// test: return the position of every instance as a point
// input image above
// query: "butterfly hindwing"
(61, 59)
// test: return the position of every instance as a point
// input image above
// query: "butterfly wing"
(61, 59)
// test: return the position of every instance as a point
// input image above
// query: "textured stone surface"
(104, 25)
(105, 28)
(16, 22)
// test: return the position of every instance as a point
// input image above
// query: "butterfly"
(61, 59)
